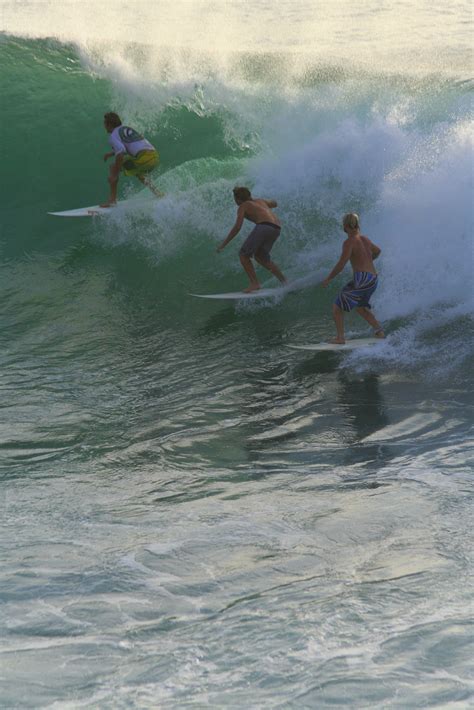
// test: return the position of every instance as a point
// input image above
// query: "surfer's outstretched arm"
(376, 251)
(113, 180)
(235, 229)
(343, 259)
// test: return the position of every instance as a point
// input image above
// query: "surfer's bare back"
(261, 239)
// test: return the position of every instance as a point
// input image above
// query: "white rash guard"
(124, 139)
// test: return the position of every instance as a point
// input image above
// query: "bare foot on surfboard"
(337, 341)
(251, 288)
(108, 204)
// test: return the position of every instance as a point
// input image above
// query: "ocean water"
(194, 515)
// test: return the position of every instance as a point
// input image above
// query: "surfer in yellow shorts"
(134, 155)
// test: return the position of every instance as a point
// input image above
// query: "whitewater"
(193, 514)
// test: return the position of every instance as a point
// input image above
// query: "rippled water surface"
(195, 515)
(206, 517)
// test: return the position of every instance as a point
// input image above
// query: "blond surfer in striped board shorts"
(134, 155)
(356, 294)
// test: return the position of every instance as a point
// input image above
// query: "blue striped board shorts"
(357, 293)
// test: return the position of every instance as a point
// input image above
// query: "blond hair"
(350, 220)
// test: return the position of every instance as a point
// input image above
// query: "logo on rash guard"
(128, 135)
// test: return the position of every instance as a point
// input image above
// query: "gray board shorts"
(260, 241)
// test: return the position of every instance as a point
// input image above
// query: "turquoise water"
(195, 515)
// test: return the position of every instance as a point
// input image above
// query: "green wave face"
(321, 141)
(194, 514)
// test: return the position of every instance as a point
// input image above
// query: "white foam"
(399, 154)
(417, 36)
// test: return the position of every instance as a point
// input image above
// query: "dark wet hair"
(112, 119)
(242, 193)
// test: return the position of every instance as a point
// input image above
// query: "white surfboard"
(333, 347)
(94, 211)
(240, 295)
(98, 211)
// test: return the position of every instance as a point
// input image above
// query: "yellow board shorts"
(144, 162)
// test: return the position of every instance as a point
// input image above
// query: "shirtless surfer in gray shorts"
(261, 239)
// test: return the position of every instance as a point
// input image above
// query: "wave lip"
(420, 38)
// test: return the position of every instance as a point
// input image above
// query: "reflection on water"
(363, 402)
(193, 504)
